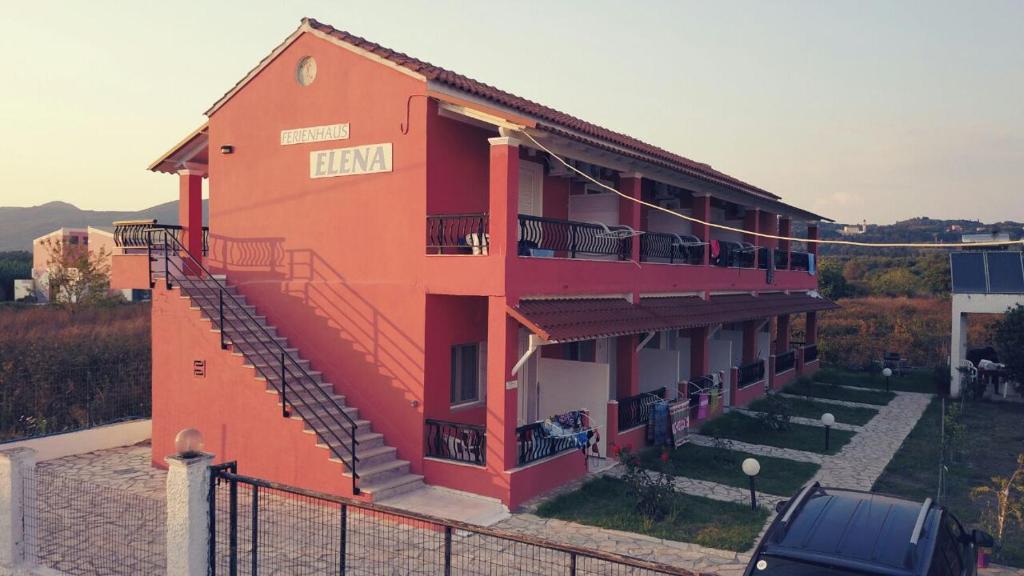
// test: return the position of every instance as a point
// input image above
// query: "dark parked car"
(835, 532)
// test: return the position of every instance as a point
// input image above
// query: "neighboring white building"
(92, 239)
(975, 237)
(983, 283)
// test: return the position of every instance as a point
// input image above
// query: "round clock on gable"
(305, 72)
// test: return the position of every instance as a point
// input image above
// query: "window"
(584, 351)
(468, 372)
(73, 240)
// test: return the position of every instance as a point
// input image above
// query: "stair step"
(274, 373)
(364, 438)
(391, 487)
(370, 457)
(379, 473)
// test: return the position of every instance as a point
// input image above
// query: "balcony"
(135, 235)
(667, 248)
(465, 443)
(749, 374)
(785, 361)
(465, 234)
(561, 433)
(552, 238)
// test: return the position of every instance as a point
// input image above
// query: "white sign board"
(314, 134)
(369, 159)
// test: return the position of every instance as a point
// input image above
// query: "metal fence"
(72, 398)
(260, 527)
(81, 528)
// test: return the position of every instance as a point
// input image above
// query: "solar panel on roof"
(968, 272)
(1005, 272)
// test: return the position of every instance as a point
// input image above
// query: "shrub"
(775, 414)
(654, 491)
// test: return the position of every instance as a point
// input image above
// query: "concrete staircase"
(309, 398)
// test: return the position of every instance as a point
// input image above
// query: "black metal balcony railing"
(735, 254)
(458, 442)
(636, 410)
(564, 238)
(781, 259)
(799, 261)
(750, 374)
(785, 361)
(458, 234)
(137, 233)
(535, 442)
(673, 248)
(762, 257)
(810, 353)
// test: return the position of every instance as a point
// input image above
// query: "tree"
(13, 266)
(894, 282)
(831, 282)
(1008, 334)
(76, 276)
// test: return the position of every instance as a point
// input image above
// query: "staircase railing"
(266, 348)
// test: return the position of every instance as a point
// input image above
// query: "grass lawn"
(917, 381)
(811, 409)
(603, 502)
(803, 388)
(778, 475)
(994, 439)
(735, 426)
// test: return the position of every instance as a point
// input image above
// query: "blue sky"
(856, 110)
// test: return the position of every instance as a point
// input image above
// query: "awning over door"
(573, 319)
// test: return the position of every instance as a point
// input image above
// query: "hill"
(914, 230)
(19, 226)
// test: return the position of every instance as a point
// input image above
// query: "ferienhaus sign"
(369, 159)
(314, 134)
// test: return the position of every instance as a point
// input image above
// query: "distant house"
(91, 239)
(985, 237)
(852, 229)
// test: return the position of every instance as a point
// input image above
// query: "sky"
(876, 110)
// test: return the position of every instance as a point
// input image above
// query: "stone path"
(862, 460)
(805, 421)
(762, 450)
(835, 402)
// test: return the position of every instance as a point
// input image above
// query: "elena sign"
(314, 134)
(369, 159)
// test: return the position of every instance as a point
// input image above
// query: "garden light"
(828, 420)
(887, 372)
(189, 443)
(751, 467)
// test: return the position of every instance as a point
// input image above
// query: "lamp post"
(751, 467)
(188, 443)
(828, 420)
(887, 372)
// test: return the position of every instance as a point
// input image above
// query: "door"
(531, 189)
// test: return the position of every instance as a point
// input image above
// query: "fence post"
(16, 474)
(188, 512)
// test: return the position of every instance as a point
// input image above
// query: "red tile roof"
(574, 319)
(539, 111)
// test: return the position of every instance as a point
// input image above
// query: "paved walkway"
(805, 421)
(835, 402)
(762, 450)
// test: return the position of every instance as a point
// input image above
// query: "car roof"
(862, 531)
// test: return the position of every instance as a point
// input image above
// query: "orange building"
(403, 283)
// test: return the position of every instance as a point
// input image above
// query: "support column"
(700, 353)
(16, 472)
(812, 328)
(629, 212)
(190, 212)
(188, 515)
(752, 223)
(702, 212)
(786, 229)
(782, 338)
(502, 387)
(503, 196)
(750, 341)
(957, 347)
(768, 223)
(812, 234)
(627, 376)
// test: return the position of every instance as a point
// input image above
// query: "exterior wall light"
(828, 420)
(189, 443)
(227, 149)
(751, 467)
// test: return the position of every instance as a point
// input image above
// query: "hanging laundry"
(702, 405)
(811, 266)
